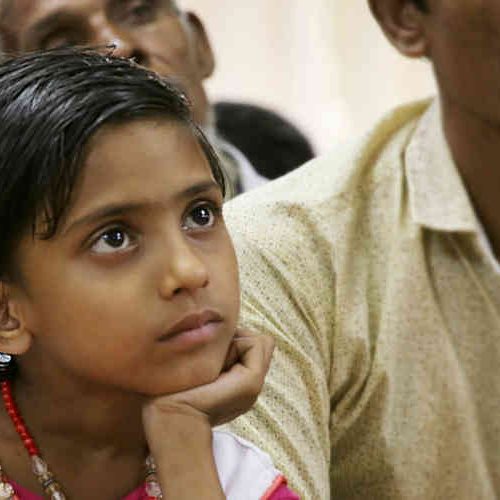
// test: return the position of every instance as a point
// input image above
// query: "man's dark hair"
(272, 144)
(51, 103)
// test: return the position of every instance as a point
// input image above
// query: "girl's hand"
(235, 390)
(179, 426)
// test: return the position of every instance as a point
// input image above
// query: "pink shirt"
(245, 473)
(281, 493)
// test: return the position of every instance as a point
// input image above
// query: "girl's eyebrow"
(114, 209)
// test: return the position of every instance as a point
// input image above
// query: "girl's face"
(138, 290)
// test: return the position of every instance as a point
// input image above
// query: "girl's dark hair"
(51, 104)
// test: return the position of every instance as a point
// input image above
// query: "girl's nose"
(184, 272)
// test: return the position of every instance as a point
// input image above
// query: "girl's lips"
(193, 321)
(193, 330)
(191, 339)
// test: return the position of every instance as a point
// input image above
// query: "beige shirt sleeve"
(283, 297)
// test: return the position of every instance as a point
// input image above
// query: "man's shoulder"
(323, 188)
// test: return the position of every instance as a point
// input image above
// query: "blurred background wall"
(322, 63)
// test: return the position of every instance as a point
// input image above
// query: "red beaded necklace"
(50, 485)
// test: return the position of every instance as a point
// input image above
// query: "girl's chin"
(202, 376)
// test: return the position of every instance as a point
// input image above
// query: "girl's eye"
(202, 216)
(113, 240)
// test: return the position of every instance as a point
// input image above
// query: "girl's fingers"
(254, 350)
(247, 343)
(236, 390)
(231, 357)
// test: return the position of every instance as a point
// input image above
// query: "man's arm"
(288, 293)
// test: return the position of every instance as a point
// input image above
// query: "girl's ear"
(403, 24)
(14, 337)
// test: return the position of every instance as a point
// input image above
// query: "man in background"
(272, 144)
(156, 33)
(376, 270)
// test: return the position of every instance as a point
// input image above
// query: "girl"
(119, 298)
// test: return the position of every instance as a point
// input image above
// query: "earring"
(7, 366)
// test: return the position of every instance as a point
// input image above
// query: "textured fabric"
(366, 265)
(245, 473)
(488, 249)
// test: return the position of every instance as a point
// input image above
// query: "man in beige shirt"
(375, 268)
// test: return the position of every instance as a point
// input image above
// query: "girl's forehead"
(142, 148)
(138, 161)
